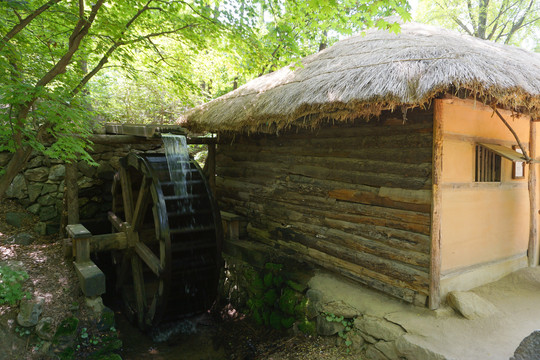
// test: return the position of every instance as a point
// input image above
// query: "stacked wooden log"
(352, 198)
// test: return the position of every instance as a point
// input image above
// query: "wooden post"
(533, 225)
(72, 191)
(435, 248)
(211, 159)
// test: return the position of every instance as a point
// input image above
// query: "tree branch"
(24, 22)
(113, 48)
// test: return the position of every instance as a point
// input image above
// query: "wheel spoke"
(151, 260)
(116, 222)
(142, 204)
(127, 193)
(139, 288)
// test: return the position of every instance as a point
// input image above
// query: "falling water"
(177, 154)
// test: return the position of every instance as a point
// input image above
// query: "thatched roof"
(363, 75)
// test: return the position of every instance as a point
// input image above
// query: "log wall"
(354, 199)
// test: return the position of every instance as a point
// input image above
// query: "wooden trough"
(166, 247)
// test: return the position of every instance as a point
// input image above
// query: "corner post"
(532, 252)
(436, 177)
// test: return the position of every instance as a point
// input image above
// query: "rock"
(95, 303)
(409, 347)
(105, 171)
(315, 298)
(51, 229)
(49, 188)
(17, 219)
(357, 342)
(45, 200)
(470, 305)
(86, 169)
(328, 328)
(373, 353)
(41, 228)
(340, 308)
(529, 348)
(85, 182)
(388, 349)
(378, 328)
(4, 158)
(34, 208)
(35, 162)
(106, 320)
(40, 174)
(34, 190)
(89, 210)
(18, 188)
(47, 213)
(29, 312)
(21, 239)
(45, 328)
(57, 172)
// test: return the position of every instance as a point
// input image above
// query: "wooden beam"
(520, 144)
(127, 194)
(435, 248)
(149, 258)
(533, 226)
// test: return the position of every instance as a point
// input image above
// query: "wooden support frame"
(532, 251)
(436, 201)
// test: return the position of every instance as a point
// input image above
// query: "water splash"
(177, 154)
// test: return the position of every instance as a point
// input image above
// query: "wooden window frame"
(518, 165)
(488, 165)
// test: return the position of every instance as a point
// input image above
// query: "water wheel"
(170, 267)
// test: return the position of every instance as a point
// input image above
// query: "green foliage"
(273, 301)
(23, 331)
(347, 327)
(11, 285)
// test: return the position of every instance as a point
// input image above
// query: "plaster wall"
(481, 222)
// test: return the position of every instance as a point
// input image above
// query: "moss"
(67, 327)
(308, 327)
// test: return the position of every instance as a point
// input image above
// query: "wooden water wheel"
(170, 266)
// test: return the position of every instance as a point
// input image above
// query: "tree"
(51, 51)
(506, 21)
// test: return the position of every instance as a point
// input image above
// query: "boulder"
(409, 347)
(46, 200)
(47, 213)
(34, 208)
(378, 328)
(470, 305)
(529, 348)
(86, 169)
(45, 328)
(4, 158)
(340, 308)
(105, 171)
(18, 187)
(29, 312)
(49, 188)
(57, 172)
(35, 162)
(21, 239)
(373, 353)
(40, 174)
(41, 228)
(34, 190)
(106, 320)
(16, 219)
(328, 328)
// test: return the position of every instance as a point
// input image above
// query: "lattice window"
(488, 165)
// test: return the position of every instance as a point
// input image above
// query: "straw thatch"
(363, 75)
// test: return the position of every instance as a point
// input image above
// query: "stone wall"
(40, 187)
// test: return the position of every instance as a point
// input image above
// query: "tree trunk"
(16, 164)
